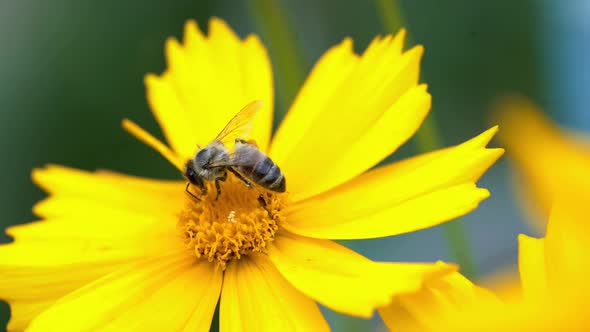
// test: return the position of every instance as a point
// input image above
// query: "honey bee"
(246, 161)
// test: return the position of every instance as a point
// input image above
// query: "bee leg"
(262, 202)
(239, 176)
(189, 192)
(218, 186)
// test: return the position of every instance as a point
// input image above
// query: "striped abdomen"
(259, 168)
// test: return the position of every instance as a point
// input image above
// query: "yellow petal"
(417, 193)
(343, 280)
(256, 297)
(22, 312)
(486, 313)
(163, 294)
(547, 160)
(440, 297)
(208, 80)
(153, 143)
(330, 71)
(531, 264)
(31, 289)
(567, 246)
(60, 241)
(76, 192)
(513, 317)
(96, 223)
(112, 216)
(53, 257)
(350, 105)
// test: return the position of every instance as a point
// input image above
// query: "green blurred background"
(70, 70)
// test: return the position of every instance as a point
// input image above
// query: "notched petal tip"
(401, 34)
(254, 40)
(173, 50)
(171, 42)
(442, 269)
(423, 87)
(150, 79)
(483, 139)
(39, 208)
(417, 51)
(218, 28)
(347, 43)
(191, 31)
(216, 22)
(190, 24)
(492, 131)
(482, 193)
(41, 175)
(14, 230)
(35, 174)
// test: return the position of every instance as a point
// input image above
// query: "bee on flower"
(122, 252)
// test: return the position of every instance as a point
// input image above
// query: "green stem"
(272, 22)
(428, 139)
(460, 247)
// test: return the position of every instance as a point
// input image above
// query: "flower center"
(235, 224)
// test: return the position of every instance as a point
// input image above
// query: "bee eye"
(202, 154)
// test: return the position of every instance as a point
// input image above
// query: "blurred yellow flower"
(554, 294)
(437, 302)
(120, 252)
(546, 157)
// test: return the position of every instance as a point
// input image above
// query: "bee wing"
(234, 159)
(218, 161)
(240, 125)
(222, 163)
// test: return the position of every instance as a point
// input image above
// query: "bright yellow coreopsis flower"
(546, 157)
(114, 251)
(555, 292)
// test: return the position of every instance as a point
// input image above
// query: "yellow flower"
(555, 293)
(120, 252)
(546, 157)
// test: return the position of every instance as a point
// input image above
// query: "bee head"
(192, 175)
